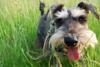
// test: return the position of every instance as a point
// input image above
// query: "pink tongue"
(73, 54)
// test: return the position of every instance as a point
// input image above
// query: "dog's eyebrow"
(62, 14)
(76, 12)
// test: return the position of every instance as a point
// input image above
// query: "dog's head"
(71, 29)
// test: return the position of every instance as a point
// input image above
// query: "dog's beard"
(57, 39)
(86, 38)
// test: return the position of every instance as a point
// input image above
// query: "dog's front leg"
(54, 53)
(82, 62)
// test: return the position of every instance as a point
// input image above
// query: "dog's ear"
(83, 5)
(89, 7)
(57, 8)
(53, 9)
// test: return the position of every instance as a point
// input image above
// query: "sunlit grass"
(18, 26)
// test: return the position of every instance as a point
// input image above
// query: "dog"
(68, 30)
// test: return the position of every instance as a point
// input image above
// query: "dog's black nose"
(70, 41)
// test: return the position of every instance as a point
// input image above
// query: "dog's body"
(69, 28)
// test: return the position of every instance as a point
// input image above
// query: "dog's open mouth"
(73, 54)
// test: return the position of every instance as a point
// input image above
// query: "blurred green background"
(18, 26)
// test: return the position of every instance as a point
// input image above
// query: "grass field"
(18, 26)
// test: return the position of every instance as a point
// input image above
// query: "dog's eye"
(59, 22)
(82, 19)
(75, 19)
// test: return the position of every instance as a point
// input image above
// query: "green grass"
(18, 26)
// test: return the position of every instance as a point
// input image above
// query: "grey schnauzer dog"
(68, 29)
